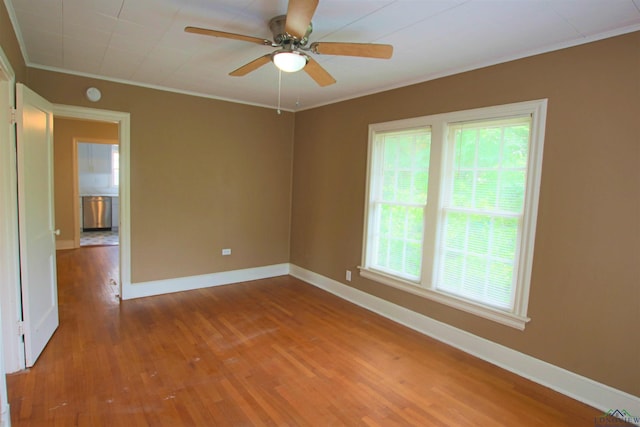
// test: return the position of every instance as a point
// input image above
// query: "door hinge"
(13, 115)
(20, 328)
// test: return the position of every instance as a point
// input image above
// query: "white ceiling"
(143, 41)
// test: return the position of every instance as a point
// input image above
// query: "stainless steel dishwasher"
(96, 213)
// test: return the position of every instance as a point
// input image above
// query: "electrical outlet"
(348, 277)
(226, 252)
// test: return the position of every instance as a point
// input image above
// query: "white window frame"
(516, 316)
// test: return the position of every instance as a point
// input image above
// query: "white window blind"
(482, 209)
(399, 195)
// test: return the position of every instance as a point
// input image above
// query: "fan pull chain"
(279, 89)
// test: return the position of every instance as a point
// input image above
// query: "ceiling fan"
(291, 35)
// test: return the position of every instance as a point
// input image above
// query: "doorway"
(121, 121)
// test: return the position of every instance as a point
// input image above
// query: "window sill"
(499, 316)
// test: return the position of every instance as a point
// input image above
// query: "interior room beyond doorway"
(98, 187)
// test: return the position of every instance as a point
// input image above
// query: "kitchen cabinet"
(115, 213)
(95, 169)
(94, 158)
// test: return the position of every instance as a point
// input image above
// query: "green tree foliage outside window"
(400, 198)
(483, 208)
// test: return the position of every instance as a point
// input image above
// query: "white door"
(36, 220)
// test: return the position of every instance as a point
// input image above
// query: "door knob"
(56, 232)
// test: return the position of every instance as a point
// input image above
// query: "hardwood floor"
(263, 353)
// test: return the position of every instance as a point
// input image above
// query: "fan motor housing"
(281, 37)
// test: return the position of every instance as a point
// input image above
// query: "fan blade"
(299, 14)
(366, 50)
(251, 66)
(233, 36)
(319, 74)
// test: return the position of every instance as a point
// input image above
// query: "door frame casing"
(10, 301)
(10, 309)
(123, 120)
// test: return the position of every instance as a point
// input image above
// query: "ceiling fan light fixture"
(290, 61)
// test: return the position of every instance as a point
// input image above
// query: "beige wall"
(10, 46)
(208, 174)
(205, 175)
(65, 130)
(585, 290)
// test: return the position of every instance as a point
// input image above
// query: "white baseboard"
(580, 388)
(65, 244)
(158, 287)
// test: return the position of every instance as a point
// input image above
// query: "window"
(115, 166)
(452, 204)
(402, 163)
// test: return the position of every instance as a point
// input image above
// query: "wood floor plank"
(274, 352)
